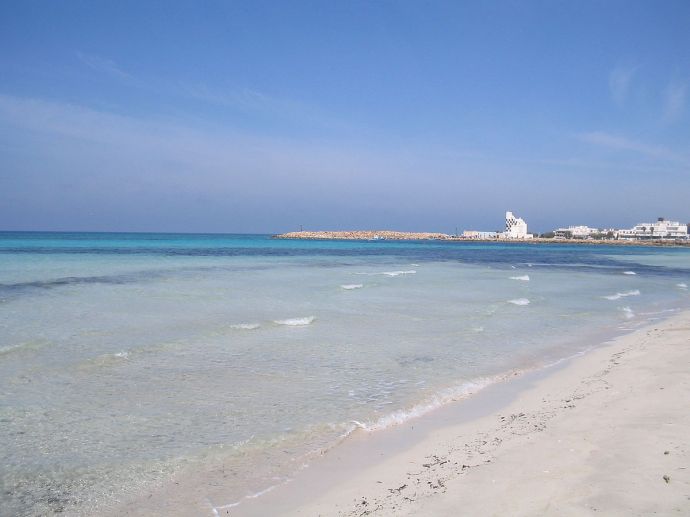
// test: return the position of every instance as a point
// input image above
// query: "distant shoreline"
(388, 235)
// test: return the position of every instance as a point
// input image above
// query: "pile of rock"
(364, 235)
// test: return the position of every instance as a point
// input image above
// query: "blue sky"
(264, 116)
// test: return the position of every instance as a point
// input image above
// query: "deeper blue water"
(128, 361)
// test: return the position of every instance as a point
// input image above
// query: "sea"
(129, 361)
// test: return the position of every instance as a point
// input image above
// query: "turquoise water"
(130, 360)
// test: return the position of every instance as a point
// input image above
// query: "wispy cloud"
(620, 143)
(675, 98)
(258, 103)
(212, 172)
(620, 80)
(245, 98)
(102, 65)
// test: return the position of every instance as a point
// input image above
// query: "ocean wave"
(523, 278)
(618, 296)
(437, 400)
(628, 312)
(629, 273)
(682, 285)
(7, 349)
(245, 326)
(349, 287)
(19, 347)
(104, 360)
(519, 301)
(296, 322)
(11, 348)
(255, 495)
(391, 273)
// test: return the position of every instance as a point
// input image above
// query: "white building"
(474, 234)
(516, 228)
(662, 229)
(576, 232)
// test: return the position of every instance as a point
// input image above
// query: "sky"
(261, 117)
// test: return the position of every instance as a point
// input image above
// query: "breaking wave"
(627, 312)
(437, 400)
(245, 326)
(523, 278)
(391, 273)
(296, 322)
(629, 273)
(349, 287)
(519, 301)
(618, 296)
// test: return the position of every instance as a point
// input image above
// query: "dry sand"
(606, 433)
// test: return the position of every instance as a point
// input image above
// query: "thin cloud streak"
(675, 100)
(620, 143)
(254, 102)
(620, 80)
(102, 65)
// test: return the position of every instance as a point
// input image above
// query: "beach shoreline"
(600, 432)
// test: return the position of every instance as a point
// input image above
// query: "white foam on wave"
(519, 301)
(248, 496)
(10, 348)
(296, 322)
(245, 326)
(349, 287)
(398, 273)
(522, 278)
(618, 296)
(439, 399)
(628, 312)
(629, 273)
(682, 285)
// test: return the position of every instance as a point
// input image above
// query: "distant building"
(662, 229)
(576, 232)
(474, 234)
(516, 228)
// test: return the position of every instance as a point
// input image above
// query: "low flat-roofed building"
(474, 234)
(660, 230)
(576, 232)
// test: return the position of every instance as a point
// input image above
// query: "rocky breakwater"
(363, 235)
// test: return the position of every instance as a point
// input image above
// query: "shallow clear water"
(126, 359)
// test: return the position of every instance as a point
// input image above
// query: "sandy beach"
(604, 433)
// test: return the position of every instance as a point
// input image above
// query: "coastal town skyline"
(515, 229)
(363, 115)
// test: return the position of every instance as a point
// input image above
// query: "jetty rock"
(364, 235)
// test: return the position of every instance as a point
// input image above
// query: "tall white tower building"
(516, 228)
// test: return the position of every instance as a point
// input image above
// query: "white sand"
(606, 434)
